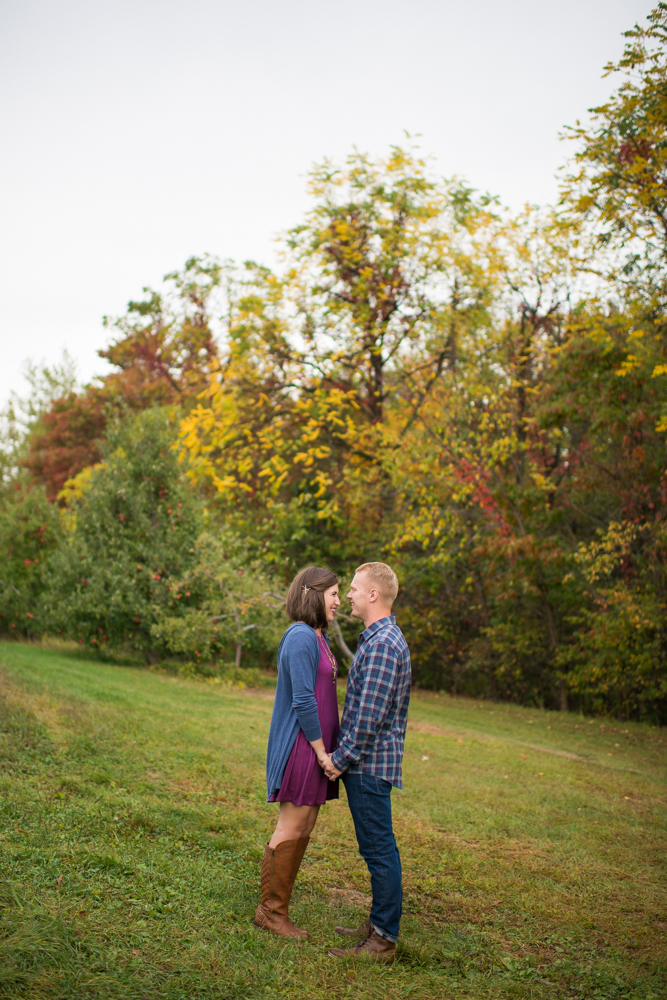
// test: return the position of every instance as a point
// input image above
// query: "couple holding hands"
(309, 751)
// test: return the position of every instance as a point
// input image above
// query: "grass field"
(133, 823)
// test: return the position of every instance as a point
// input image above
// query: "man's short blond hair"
(384, 579)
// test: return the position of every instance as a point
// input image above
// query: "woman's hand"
(331, 772)
(320, 751)
(324, 759)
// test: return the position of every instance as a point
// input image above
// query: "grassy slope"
(133, 821)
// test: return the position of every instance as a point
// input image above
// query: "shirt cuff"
(339, 761)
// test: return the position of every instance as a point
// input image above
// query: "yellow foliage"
(73, 491)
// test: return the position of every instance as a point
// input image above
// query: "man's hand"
(331, 772)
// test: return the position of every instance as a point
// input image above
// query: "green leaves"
(132, 526)
(29, 533)
(619, 181)
(240, 605)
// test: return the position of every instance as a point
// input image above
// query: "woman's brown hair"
(305, 597)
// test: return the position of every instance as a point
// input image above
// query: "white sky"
(136, 133)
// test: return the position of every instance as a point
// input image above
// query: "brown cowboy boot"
(356, 932)
(280, 865)
(373, 948)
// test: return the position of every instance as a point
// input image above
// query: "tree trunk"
(336, 629)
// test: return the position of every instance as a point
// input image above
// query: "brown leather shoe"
(280, 865)
(356, 932)
(373, 948)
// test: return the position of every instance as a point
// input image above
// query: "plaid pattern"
(372, 730)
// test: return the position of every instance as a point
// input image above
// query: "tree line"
(475, 396)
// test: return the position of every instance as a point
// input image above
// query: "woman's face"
(331, 602)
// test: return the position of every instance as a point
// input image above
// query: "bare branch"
(335, 628)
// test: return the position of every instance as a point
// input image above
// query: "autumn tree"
(619, 181)
(21, 416)
(163, 351)
(618, 190)
(380, 282)
(476, 396)
(164, 346)
(67, 438)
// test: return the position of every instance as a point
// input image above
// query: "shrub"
(29, 532)
(131, 527)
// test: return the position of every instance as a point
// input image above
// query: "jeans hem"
(383, 934)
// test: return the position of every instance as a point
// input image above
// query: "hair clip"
(305, 587)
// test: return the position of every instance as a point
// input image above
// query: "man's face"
(358, 595)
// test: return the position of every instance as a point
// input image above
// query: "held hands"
(328, 768)
(324, 759)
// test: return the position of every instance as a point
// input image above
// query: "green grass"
(133, 823)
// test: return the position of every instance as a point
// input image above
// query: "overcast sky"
(136, 133)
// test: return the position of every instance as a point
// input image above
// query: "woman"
(304, 727)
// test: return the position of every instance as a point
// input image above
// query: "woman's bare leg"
(294, 822)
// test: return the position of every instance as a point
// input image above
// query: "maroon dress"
(304, 782)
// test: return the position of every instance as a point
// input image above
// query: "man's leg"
(369, 799)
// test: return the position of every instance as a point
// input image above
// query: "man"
(370, 752)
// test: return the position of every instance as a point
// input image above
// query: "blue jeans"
(369, 799)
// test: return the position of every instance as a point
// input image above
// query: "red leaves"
(476, 477)
(66, 440)
(629, 151)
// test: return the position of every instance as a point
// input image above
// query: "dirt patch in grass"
(350, 897)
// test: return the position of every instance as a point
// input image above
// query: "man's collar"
(380, 623)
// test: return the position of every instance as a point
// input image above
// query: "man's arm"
(378, 679)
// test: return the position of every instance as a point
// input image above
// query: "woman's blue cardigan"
(295, 706)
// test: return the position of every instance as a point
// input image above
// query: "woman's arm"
(302, 655)
(320, 751)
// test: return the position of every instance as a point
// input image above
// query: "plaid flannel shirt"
(372, 730)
